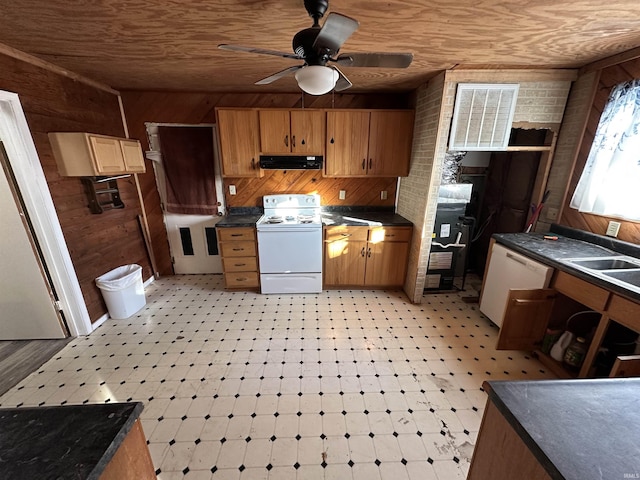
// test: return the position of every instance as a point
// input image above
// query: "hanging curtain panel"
(610, 182)
(188, 159)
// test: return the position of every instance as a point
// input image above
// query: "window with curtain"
(610, 182)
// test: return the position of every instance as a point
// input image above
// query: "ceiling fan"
(317, 46)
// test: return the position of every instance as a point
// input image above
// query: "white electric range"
(290, 244)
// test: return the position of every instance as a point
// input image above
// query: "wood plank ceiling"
(172, 45)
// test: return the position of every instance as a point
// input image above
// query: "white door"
(193, 244)
(26, 297)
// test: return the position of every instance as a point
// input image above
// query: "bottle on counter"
(574, 354)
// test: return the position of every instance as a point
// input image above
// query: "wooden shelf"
(558, 368)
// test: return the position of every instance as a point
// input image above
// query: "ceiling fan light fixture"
(316, 79)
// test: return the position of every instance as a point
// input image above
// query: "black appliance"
(291, 162)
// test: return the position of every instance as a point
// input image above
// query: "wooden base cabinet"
(237, 247)
(363, 256)
(592, 310)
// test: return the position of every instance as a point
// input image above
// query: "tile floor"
(346, 384)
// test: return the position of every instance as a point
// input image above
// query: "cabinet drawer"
(584, 292)
(625, 311)
(240, 264)
(352, 234)
(243, 233)
(238, 249)
(241, 279)
(390, 234)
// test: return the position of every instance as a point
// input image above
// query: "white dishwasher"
(509, 270)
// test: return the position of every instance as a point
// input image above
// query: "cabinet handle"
(238, 249)
(286, 140)
(369, 252)
(370, 163)
(253, 164)
(516, 259)
(364, 162)
(332, 141)
(293, 141)
(346, 234)
(302, 142)
(242, 279)
(390, 235)
(237, 234)
(362, 252)
(528, 302)
(239, 264)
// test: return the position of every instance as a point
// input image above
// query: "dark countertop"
(577, 429)
(239, 221)
(352, 216)
(370, 219)
(555, 252)
(68, 442)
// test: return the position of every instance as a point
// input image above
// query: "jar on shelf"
(574, 355)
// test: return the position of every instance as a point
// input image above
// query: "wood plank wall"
(629, 231)
(97, 243)
(196, 108)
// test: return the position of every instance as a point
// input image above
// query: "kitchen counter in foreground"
(79, 442)
(568, 430)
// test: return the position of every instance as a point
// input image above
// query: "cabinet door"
(347, 143)
(275, 131)
(344, 262)
(133, 159)
(390, 137)
(239, 143)
(525, 319)
(107, 154)
(307, 132)
(626, 366)
(386, 263)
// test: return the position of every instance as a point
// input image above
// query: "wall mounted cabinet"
(292, 131)
(239, 134)
(88, 155)
(364, 143)
(363, 256)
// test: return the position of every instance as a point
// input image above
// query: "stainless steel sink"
(627, 276)
(621, 270)
(614, 263)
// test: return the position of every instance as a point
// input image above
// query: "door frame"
(26, 166)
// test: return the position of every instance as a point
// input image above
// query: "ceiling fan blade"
(336, 30)
(343, 82)
(382, 60)
(261, 51)
(277, 76)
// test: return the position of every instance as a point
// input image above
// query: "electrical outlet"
(342, 195)
(232, 189)
(552, 213)
(613, 229)
(383, 195)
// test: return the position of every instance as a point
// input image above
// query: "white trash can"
(122, 290)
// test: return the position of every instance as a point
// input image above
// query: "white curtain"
(610, 181)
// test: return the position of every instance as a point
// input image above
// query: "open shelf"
(558, 368)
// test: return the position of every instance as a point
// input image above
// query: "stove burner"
(305, 218)
(275, 219)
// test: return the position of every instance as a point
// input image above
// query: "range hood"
(291, 162)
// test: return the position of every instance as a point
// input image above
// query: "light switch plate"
(383, 195)
(613, 229)
(342, 195)
(232, 189)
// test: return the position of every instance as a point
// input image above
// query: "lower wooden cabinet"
(363, 256)
(237, 247)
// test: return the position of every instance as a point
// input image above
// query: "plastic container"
(122, 290)
(558, 349)
(574, 354)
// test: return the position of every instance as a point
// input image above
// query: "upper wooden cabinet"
(368, 143)
(81, 154)
(292, 131)
(239, 142)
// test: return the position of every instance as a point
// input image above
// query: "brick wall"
(541, 99)
(569, 140)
